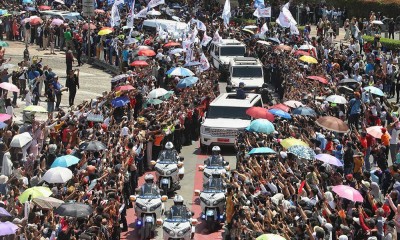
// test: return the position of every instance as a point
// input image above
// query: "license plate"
(149, 219)
(210, 213)
(225, 140)
(164, 181)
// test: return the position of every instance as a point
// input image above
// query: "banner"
(262, 12)
(285, 18)
(205, 65)
(155, 3)
(264, 29)
(115, 18)
(118, 2)
(226, 13)
(194, 35)
(206, 39)
(131, 17)
(201, 26)
(142, 13)
(294, 30)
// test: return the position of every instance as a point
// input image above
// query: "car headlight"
(172, 171)
(218, 201)
(169, 231)
(207, 129)
(141, 206)
(155, 207)
(183, 231)
(205, 200)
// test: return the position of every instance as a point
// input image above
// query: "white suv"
(226, 50)
(248, 70)
(225, 117)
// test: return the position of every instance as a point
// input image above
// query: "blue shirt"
(355, 106)
(125, 55)
(33, 74)
(369, 67)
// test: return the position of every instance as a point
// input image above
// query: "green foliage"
(389, 44)
(244, 21)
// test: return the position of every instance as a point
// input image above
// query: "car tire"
(203, 148)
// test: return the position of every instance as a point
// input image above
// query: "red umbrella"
(36, 21)
(260, 112)
(86, 26)
(147, 53)
(319, 79)
(280, 106)
(125, 88)
(303, 53)
(284, 47)
(139, 63)
(43, 8)
(171, 44)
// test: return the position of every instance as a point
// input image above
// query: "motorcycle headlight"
(141, 206)
(205, 200)
(172, 171)
(169, 231)
(155, 207)
(183, 231)
(218, 201)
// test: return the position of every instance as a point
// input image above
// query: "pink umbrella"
(57, 22)
(375, 131)
(9, 87)
(326, 158)
(4, 117)
(348, 192)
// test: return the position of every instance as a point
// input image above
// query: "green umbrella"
(4, 44)
(154, 101)
(270, 236)
(34, 192)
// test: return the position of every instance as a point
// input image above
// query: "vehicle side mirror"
(201, 167)
(132, 198)
(153, 163)
(181, 158)
(226, 163)
(164, 198)
(197, 192)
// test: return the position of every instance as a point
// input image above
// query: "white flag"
(294, 30)
(162, 33)
(285, 18)
(217, 38)
(206, 39)
(194, 35)
(131, 17)
(226, 13)
(186, 44)
(205, 65)
(262, 12)
(118, 2)
(115, 18)
(264, 29)
(201, 26)
(142, 13)
(154, 3)
(189, 54)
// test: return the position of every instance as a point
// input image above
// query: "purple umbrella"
(4, 213)
(326, 158)
(57, 22)
(7, 228)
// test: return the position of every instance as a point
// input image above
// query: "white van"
(226, 116)
(248, 70)
(224, 51)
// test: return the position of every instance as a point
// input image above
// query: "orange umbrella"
(36, 21)
(303, 53)
(171, 44)
(43, 8)
(107, 28)
(280, 106)
(86, 26)
(147, 53)
(124, 88)
(284, 47)
(139, 63)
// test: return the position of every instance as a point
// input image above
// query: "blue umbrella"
(180, 71)
(262, 150)
(280, 113)
(187, 82)
(3, 125)
(374, 90)
(192, 64)
(120, 101)
(305, 111)
(261, 126)
(65, 161)
(26, 1)
(302, 152)
(31, 9)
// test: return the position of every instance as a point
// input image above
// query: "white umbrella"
(57, 175)
(377, 22)
(156, 93)
(59, 1)
(264, 42)
(177, 50)
(306, 47)
(21, 140)
(153, 13)
(176, 18)
(336, 99)
(251, 27)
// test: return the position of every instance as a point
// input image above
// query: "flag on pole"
(294, 30)
(262, 12)
(142, 13)
(264, 29)
(155, 3)
(259, 4)
(115, 18)
(201, 26)
(206, 39)
(301, 187)
(226, 13)
(194, 35)
(217, 38)
(205, 65)
(285, 18)
(131, 17)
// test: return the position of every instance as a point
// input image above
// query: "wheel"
(146, 232)
(203, 148)
(165, 189)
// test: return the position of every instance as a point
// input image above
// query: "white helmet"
(169, 145)
(178, 199)
(149, 177)
(216, 148)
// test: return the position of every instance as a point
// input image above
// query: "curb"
(101, 64)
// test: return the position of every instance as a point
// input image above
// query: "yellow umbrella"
(247, 30)
(308, 59)
(104, 32)
(288, 142)
(270, 236)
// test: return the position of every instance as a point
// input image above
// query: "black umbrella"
(275, 40)
(74, 210)
(95, 146)
(347, 81)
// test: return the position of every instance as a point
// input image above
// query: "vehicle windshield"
(149, 191)
(177, 214)
(247, 72)
(213, 185)
(168, 156)
(228, 112)
(215, 161)
(232, 51)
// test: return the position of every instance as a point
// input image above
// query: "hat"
(3, 179)
(365, 184)
(345, 229)
(343, 237)
(349, 176)
(383, 130)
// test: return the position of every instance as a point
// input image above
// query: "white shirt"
(394, 134)
(10, 111)
(7, 165)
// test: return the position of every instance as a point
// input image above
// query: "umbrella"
(86, 26)
(120, 101)
(372, 89)
(280, 106)
(143, 47)
(7, 228)
(336, 99)
(147, 53)
(43, 8)
(345, 191)
(4, 213)
(3, 125)
(348, 80)
(289, 142)
(95, 146)
(263, 42)
(304, 111)
(35, 108)
(326, 158)
(261, 126)
(306, 47)
(154, 101)
(4, 44)
(65, 161)
(26, 1)
(187, 82)
(275, 40)
(180, 71)
(139, 63)
(319, 79)
(59, 1)
(302, 152)
(377, 22)
(262, 150)
(124, 88)
(57, 22)
(333, 124)
(375, 131)
(250, 27)
(20, 140)
(36, 21)
(74, 210)
(4, 117)
(167, 95)
(345, 90)
(156, 93)
(130, 41)
(293, 104)
(57, 175)
(192, 64)
(247, 30)
(104, 32)
(177, 50)
(153, 13)
(119, 77)
(47, 202)
(99, 11)
(280, 113)
(300, 52)
(34, 192)
(308, 59)
(284, 47)
(260, 112)
(171, 44)
(270, 236)
(9, 87)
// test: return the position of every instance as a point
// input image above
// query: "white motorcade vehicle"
(247, 70)
(178, 224)
(214, 165)
(222, 52)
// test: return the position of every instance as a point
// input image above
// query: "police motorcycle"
(149, 207)
(212, 201)
(178, 223)
(169, 169)
(215, 164)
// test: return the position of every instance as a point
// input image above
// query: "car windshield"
(167, 156)
(149, 191)
(247, 72)
(228, 112)
(213, 185)
(232, 51)
(177, 214)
